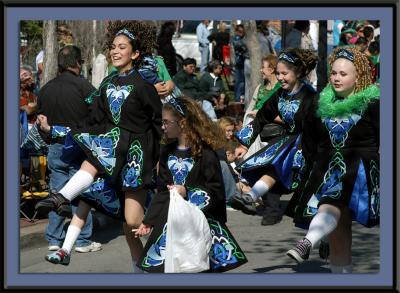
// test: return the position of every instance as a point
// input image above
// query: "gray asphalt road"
(264, 246)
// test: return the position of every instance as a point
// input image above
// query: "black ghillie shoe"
(54, 202)
(244, 202)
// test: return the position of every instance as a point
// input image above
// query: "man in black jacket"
(62, 101)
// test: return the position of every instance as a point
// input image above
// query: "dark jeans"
(59, 176)
(239, 83)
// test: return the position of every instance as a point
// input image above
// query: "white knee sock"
(78, 183)
(341, 269)
(259, 189)
(72, 234)
(321, 225)
(136, 270)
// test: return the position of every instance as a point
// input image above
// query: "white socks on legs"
(341, 269)
(321, 225)
(77, 184)
(259, 189)
(72, 234)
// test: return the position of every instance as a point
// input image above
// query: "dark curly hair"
(145, 37)
(305, 61)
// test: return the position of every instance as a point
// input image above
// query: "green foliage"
(32, 29)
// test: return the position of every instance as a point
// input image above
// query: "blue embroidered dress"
(202, 178)
(282, 158)
(345, 165)
(121, 136)
(125, 110)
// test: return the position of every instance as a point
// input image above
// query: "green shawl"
(330, 107)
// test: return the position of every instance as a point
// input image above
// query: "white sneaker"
(94, 246)
(53, 247)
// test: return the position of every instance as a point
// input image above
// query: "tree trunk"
(50, 66)
(254, 49)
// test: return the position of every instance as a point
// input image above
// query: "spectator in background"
(227, 125)
(39, 66)
(27, 111)
(348, 36)
(241, 53)
(300, 30)
(263, 39)
(368, 33)
(361, 44)
(202, 36)
(219, 39)
(373, 55)
(28, 99)
(264, 90)
(187, 81)
(212, 86)
(238, 122)
(337, 28)
(166, 48)
(62, 101)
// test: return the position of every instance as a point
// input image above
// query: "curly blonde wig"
(361, 63)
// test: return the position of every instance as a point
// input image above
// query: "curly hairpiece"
(144, 36)
(361, 63)
(199, 128)
(304, 60)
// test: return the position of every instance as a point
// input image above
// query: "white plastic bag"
(188, 239)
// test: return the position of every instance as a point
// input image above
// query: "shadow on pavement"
(305, 267)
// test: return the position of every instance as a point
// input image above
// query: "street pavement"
(264, 246)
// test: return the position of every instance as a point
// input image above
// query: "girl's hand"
(278, 120)
(165, 88)
(142, 230)
(162, 89)
(41, 120)
(180, 188)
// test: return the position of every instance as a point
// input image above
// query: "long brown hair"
(199, 128)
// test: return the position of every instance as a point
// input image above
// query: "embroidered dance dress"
(282, 157)
(202, 179)
(121, 136)
(345, 167)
